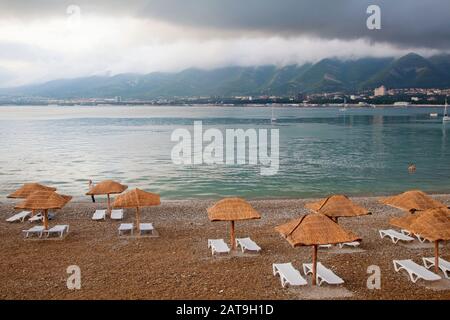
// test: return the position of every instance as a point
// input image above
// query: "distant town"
(368, 98)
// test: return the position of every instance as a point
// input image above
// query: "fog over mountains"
(327, 75)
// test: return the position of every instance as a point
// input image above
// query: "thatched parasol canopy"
(137, 199)
(337, 206)
(314, 230)
(414, 200)
(107, 187)
(232, 209)
(44, 200)
(404, 222)
(432, 224)
(27, 189)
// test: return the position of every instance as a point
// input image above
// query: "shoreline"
(248, 105)
(87, 200)
(179, 265)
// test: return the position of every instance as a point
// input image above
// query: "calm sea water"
(322, 150)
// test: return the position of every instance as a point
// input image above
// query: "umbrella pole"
(138, 223)
(109, 205)
(436, 256)
(46, 219)
(32, 213)
(314, 265)
(233, 241)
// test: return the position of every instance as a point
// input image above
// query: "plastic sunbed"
(99, 215)
(353, 244)
(117, 214)
(146, 227)
(218, 246)
(247, 244)
(444, 265)
(289, 276)
(409, 233)
(58, 229)
(323, 274)
(395, 235)
(415, 271)
(36, 218)
(19, 216)
(38, 230)
(125, 227)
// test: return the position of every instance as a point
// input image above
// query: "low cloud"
(37, 43)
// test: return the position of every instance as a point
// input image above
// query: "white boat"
(446, 117)
(433, 115)
(401, 104)
(345, 106)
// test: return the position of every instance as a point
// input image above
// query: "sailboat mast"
(445, 112)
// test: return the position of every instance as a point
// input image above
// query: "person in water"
(91, 185)
(412, 168)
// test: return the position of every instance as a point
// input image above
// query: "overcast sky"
(49, 39)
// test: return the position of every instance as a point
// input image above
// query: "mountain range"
(327, 75)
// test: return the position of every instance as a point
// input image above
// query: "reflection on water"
(322, 151)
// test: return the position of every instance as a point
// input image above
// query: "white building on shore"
(379, 92)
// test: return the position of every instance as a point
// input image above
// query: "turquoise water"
(322, 150)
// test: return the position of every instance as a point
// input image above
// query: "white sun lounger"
(323, 274)
(395, 235)
(421, 239)
(325, 246)
(117, 214)
(415, 271)
(58, 229)
(353, 244)
(36, 218)
(288, 275)
(218, 246)
(99, 215)
(444, 265)
(125, 227)
(146, 227)
(19, 216)
(39, 230)
(247, 244)
(409, 233)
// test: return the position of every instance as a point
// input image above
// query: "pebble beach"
(178, 264)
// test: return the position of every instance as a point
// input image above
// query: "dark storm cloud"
(404, 22)
(413, 23)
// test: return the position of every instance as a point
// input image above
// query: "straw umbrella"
(232, 209)
(27, 189)
(107, 187)
(404, 222)
(44, 200)
(314, 230)
(432, 224)
(337, 206)
(414, 200)
(137, 199)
